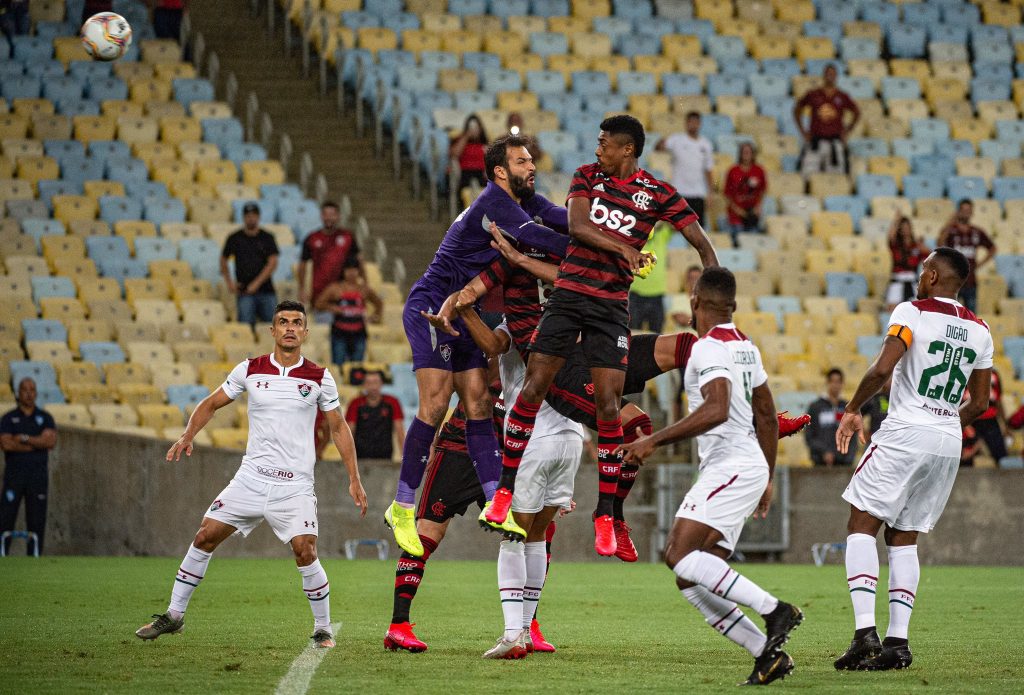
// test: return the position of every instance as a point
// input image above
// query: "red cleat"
(498, 509)
(604, 535)
(791, 425)
(399, 636)
(625, 550)
(537, 639)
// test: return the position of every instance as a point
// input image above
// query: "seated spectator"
(255, 252)
(468, 150)
(825, 137)
(745, 185)
(826, 412)
(346, 300)
(376, 420)
(679, 309)
(908, 253)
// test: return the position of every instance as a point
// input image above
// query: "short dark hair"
(693, 114)
(830, 66)
(963, 201)
(329, 204)
(956, 261)
(289, 305)
(835, 371)
(496, 154)
(718, 280)
(624, 124)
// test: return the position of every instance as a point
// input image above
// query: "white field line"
(296, 681)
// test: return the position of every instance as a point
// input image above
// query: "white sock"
(190, 573)
(904, 575)
(511, 580)
(317, 589)
(726, 617)
(862, 577)
(536, 567)
(715, 575)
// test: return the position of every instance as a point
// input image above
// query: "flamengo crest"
(642, 199)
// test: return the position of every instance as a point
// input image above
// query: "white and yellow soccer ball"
(106, 36)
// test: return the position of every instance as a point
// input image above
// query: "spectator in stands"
(346, 300)
(876, 409)
(255, 253)
(468, 150)
(963, 236)
(14, 20)
(91, 7)
(989, 425)
(745, 186)
(647, 295)
(826, 412)
(27, 434)
(969, 446)
(167, 15)
(692, 165)
(329, 250)
(680, 307)
(376, 420)
(908, 253)
(825, 139)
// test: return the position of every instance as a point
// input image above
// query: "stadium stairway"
(314, 125)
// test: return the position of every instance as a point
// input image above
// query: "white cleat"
(503, 649)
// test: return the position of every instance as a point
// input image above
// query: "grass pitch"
(66, 625)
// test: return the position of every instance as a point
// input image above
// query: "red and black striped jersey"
(524, 295)
(452, 435)
(626, 210)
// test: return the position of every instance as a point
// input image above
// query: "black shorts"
(451, 486)
(572, 392)
(601, 325)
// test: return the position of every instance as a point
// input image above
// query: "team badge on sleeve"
(304, 389)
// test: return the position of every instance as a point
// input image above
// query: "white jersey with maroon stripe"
(725, 352)
(945, 344)
(283, 402)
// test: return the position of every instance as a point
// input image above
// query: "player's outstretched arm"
(878, 373)
(699, 240)
(766, 425)
(979, 388)
(342, 437)
(493, 343)
(546, 272)
(589, 234)
(201, 416)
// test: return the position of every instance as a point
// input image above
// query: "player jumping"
(275, 481)
(934, 349)
(733, 417)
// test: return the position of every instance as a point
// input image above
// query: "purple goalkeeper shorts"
(433, 349)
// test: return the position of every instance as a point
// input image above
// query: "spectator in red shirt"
(961, 235)
(346, 301)
(468, 149)
(167, 15)
(825, 139)
(908, 253)
(745, 185)
(376, 420)
(989, 425)
(329, 249)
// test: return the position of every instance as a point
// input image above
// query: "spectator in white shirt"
(692, 164)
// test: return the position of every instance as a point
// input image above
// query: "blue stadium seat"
(478, 61)
(60, 88)
(989, 90)
(921, 13)
(101, 353)
(546, 43)
(729, 143)
(104, 150)
(474, 101)
(850, 286)
(858, 48)
(955, 148)
(630, 82)
(185, 395)
(122, 269)
(837, 11)
(114, 208)
(816, 66)
(287, 259)
(268, 210)
(795, 401)
(222, 131)
(830, 30)
(550, 8)
(767, 86)
(38, 228)
(10, 69)
(722, 47)
(737, 259)
(739, 67)
(155, 249)
(780, 305)
(1010, 131)
(906, 40)
(854, 206)
(202, 255)
(500, 80)
(882, 13)
(616, 26)
(676, 84)
(728, 85)
(949, 33)
(779, 108)
(962, 14)
(633, 9)
(510, 8)
(958, 187)
(41, 372)
(162, 211)
(1013, 347)
(77, 169)
(938, 165)
(114, 247)
(21, 87)
(993, 71)
(82, 107)
(439, 60)
(715, 124)
(244, 152)
(555, 142)
(396, 58)
(358, 19)
(188, 90)
(383, 8)
(983, 34)
(900, 88)
(107, 88)
(51, 187)
(561, 103)
(61, 149)
(281, 191)
(908, 148)
(930, 129)
(869, 345)
(145, 191)
(922, 186)
(785, 68)
(874, 185)
(45, 329)
(703, 29)
(1008, 188)
(303, 216)
(857, 87)
(44, 286)
(545, 82)
(32, 49)
(998, 150)
(591, 82)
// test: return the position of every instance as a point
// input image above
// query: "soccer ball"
(106, 36)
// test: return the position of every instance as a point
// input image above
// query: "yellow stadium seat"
(107, 415)
(209, 109)
(788, 229)
(197, 353)
(89, 395)
(170, 271)
(715, 10)
(938, 89)
(569, 25)
(457, 80)
(99, 289)
(460, 42)
(215, 173)
(777, 263)
(757, 126)
(993, 111)
(515, 101)
(1013, 167)
(908, 109)
(70, 414)
(888, 128)
(736, 106)
(117, 108)
(442, 23)
(483, 25)
(118, 373)
(976, 166)
(187, 190)
(91, 128)
(160, 51)
(505, 43)
(953, 70)
(591, 44)
(159, 416)
(933, 208)
(800, 284)
(862, 30)
(158, 311)
(98, 189)
(527, 24)
(35, 169)
(771, 47)
(155, 154)
(88, 331)
(130, 229)
(14, 189)
(231, 438)
(131, 70)
(208, 312)
(375, 39)
(786, 183)
(75, 268)
(174, 373)
(207, 210)
(17, 148)
(824, 261)
(188, 290)
(896, 167)
(754, 284)
(50, 127)
(26, 266)
(142, 90)
(822, 185)
(10, 351)
(702, 66)
(173, 71)
(196, 152)
(50, 351)
(1001, 13)
(60, 245)
(814, 48)
(987, 213)
(13, 126)
(830, 224)
(139, 394)
(150, 353)
(887, 206)
(855, 325)
(68, 208)
(32, 108)
(113, 310)
(522, 63)
(179, 129)
(867, 262)
(677, 46)
(262, 173)
(591, 8)
(910, 67)
(974, 130)
(69, 48)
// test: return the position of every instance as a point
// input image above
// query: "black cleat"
(772, 665)
(779, 623)
(892, 656)
(861, 651)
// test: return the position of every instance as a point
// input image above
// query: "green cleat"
(508, 528)
(402, 521)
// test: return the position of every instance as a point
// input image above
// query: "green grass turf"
(66, 626)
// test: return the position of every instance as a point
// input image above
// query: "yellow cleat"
(647, 267)
(402, 521)
(508, 528)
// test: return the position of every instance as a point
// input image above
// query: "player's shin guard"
(536, 572)
(628, 472)
(517, 437)
(904, 575)
(317, 590)
(415, 454)
(862, 577)
(727, 618)
(714, 574)
(609, 438)
(511, 582)
(483, 450)
(190, 573)
(408, 577)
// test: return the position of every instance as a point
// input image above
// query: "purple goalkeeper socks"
(415, 455)
(483, 449)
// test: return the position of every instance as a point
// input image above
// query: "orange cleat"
(400, 636)
(604, 535)
(537, 642)
(625, 550)
(498, 509)
(791, 425)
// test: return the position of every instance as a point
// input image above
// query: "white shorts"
(289, 509)
(723, 497)
(905, 477)
(547, 472)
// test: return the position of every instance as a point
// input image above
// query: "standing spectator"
(989, 425)
(963, 236)
(255, 253)
(825, 139)
(91, 7)
(329, 249)
(346, 300)
(647, 295)
(167, 15)
(375, 420)
(745, 186)
(908, 253)
(969, 446)
(468, 150)
(27, 434)
(14, 20)
(826, 412)
(692, 164)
